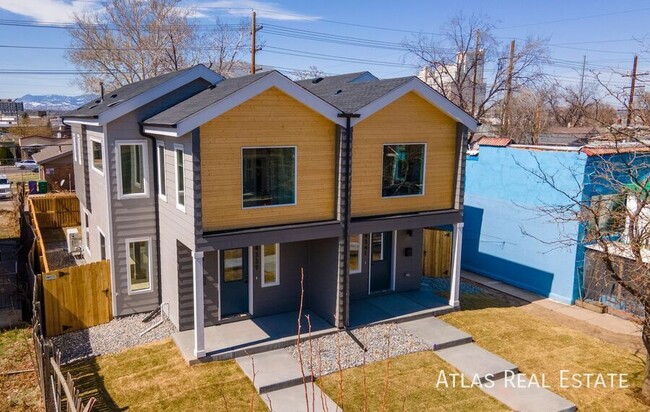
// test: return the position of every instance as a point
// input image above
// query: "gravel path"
(375, 338)
(114, 336)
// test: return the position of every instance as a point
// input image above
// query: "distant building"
(11, 107)
(55, 166)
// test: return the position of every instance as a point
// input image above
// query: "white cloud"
(269, 11)
(48, 11)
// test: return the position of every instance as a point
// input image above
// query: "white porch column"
(456, 249)
(197, 271)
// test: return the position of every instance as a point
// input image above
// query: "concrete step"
(438, 334)
(521, 394)
(272, 371)
(473, 361)
(293, 400)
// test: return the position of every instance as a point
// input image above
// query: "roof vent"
(339, 91)
(115, 103)
(317, 80)
(114, 95)
(212, 86)
(92, 107)
(98, 101)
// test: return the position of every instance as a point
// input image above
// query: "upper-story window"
(132, 169)
(269, 176)
(403, 170)
(160, 156)
(179, 156)
(97, 160)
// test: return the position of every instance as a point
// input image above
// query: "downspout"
(156, 209)
(347, 214)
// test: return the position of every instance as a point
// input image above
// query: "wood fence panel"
(77, 297)
(437, 253)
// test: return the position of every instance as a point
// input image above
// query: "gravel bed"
(115, 336)
(440, 286)
(325, 349)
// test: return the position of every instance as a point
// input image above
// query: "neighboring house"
(508, 236)
(55, 166)
(33, 144)
(212, 195)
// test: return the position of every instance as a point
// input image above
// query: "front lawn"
(155, 377)
(19, 389)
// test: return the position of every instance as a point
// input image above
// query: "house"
(33, 144)
(218, 198)
(55, 166)
(509, 234)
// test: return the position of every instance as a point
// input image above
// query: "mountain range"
(54, 102)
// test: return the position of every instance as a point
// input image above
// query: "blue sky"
(607, 32)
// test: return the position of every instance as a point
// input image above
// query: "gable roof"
(132, 96)
(227, 94)
(364, 94)
(494, 141)
(52, 153)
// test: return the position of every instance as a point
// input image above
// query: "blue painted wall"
(505, 236)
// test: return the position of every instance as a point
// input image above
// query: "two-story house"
(216, 195)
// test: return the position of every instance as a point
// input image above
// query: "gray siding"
(79, 176)
(185, 298)
(211, 288)
(322, 280)
(408, 269)
(96, 194)
(461, 158)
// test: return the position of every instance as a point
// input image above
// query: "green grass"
(412, 386)
(155, 377)
(18, 392)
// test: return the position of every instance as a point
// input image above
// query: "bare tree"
(224, 47)
(132, 40)
(572, 106)
(311, 73)
(451, 60)
(529, 115)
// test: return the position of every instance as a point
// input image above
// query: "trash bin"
(42, 186)
(32, 187)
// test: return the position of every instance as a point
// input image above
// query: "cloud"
(48, 11)
(269, 11)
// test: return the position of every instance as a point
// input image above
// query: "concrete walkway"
(602, 320)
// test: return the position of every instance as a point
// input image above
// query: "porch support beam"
(197, 272)
(456, 248)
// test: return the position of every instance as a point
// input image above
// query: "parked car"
(5, 187)
(27, 164)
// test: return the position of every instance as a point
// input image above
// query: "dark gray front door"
(381, 253)
(234, 282)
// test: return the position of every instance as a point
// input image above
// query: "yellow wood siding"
(409, 119)
(269, 119)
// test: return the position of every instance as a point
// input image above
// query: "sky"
(608, 33)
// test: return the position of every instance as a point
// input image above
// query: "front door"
(234, 282)
(381, 253)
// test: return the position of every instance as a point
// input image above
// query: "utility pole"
(254, 48)
(630, 106)
(506, 101)
(475, 74)
(538, 125)
(582, 76)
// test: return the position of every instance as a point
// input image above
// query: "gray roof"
(52, 152)
(350, 92)
(96, 107)
(201, 100)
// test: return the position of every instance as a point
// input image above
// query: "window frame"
(86, 229)
(75, 147)
(277, 266)
(100, 235)
(179, 206)
(145, 169)
(100, 141)
(360, 260)
(161, 173)
(424, 169)
(295, 174)
(149, 265)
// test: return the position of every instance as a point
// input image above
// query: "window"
(102, 245)
(233, 265)
(75, 146)
(97, 155)
(354, 260)
(403, 170)
(377, 247)
(133, 164)
(179, 155)
(271, 265)
(269, 176)
(139, 265)
(162, 190)
(87, 230)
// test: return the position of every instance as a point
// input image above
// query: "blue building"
(507, 235)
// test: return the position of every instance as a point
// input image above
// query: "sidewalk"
(605, 321)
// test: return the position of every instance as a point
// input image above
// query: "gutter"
(347, 215)
(156, 207)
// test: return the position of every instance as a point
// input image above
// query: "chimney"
(101, 91)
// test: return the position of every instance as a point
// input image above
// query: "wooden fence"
(77, 297)
(55, 210)
(437, 253)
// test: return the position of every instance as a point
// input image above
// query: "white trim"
(424, 171)
(277, 266)
(82, 122)
(295, 175)
(456, 250)
(360, 259)
(393, 266)
(199, 304)
(180, 147)
(272, 79)
(128, 266)
(99, 243)
(251, 280)
(145, 169)
(162, 181)
(75, 145)
(219, 285)
(427, 93)
(91, 152)
(86, 232)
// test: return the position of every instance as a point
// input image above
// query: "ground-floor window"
(271, 265)
(139, 264)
